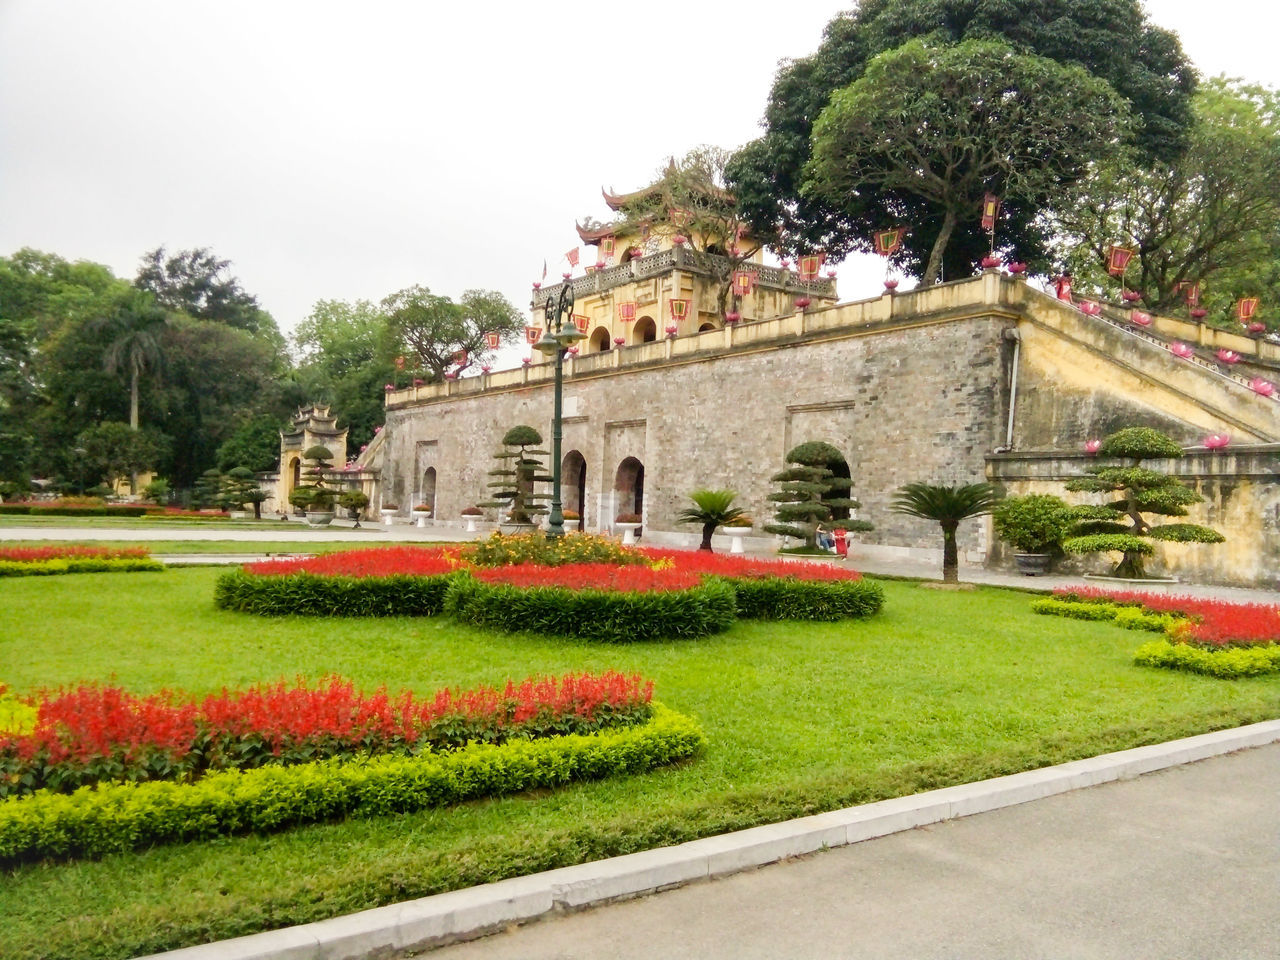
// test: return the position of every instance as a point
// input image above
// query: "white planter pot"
(628, 532)
(471, 523)
(319, 518)
(735, 535)
(421, 517)
(388, 516)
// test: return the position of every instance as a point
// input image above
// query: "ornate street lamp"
(557, 338)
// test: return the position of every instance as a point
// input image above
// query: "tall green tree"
(949, 124)
(1210, 216)
(200, 285)
(136, 331)
(440, 335)
(114, 450)
(1112, 39)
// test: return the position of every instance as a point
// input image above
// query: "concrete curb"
(462, 914)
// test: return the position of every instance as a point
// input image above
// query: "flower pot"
(517, 529)
(241, 514)
(388, 516)
(420, 517)
(471, 519)
(628, 531)
(1032, 564)
(735, 534)
(319, 518)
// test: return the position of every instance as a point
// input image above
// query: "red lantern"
(627, 311)
(493, 339)
(803, 302)
(1245, 308)
(532, 334)
(680, 308)
(733, 316)
(581, 322)
(619, 341)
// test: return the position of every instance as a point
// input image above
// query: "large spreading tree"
(947, 125)
(1112, 39)
(440, 335)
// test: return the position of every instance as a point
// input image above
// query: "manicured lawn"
(223, 546)
(939, 688)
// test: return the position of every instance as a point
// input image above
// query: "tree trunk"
(133, 421)
(934, 266)
(950, 554)
(707, 530)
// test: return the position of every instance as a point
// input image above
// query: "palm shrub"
(809, 491)
(712, 508)
(1119, 526)
(521, 468)
(947, 506)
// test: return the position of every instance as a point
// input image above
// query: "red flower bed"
(183, 512)
(729, 565)
(591, 576)
(41, 554)
(373, 562)
(1211, 622)
(92, 733)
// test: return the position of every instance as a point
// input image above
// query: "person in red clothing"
(1063, 287)
(842, 542)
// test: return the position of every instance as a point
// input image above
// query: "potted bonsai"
(388, 512)
(471, 515)
(421, 513)
(353, 501)
(320, 510)
(628, 523)
(1034, 526)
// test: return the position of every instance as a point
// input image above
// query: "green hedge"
(594, 614)
(120, 816)
(1229, 663)
(1125, 615)
(44, 568)
(39, 510)
(776, 598)
(326, 596)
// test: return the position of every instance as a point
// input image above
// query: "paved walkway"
(1177, 864)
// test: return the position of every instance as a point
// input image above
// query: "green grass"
(940, 688)
(224, 546)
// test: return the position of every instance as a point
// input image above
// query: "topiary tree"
(354, 501)
(522, 468)
(1119, 526)
(207, 491)
(319, 463)
(1035, 523)
(809, 492)
(712, 508)
(237, 486)
(948, 506)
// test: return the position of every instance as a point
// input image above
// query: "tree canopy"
(1112, 39)
(947, 125)
(445, 336)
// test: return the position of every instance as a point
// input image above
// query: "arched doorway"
(644, 331)
(840, 470)
(573, 488)
(599, 340)
(628, 487)
(295, 472)
(708, 325)
(428, 495)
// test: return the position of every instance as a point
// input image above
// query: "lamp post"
(557, 337)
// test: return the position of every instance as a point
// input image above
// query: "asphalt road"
(1184, 863)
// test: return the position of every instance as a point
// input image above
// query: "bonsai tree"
(207, 491)
(353, 501)
(1036, 523)
(302, 497)
(712, 508)
(318, 464)
(237, 485)
(522, 468)
(1119, 526)
(809, 492)
(947, 506)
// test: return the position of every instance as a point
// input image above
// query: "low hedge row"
(324, 596)
(95, 821)
(1124, 615)
(44, 568)
(1228, 664)
(784, 599)
(39, 510)
(594, 614)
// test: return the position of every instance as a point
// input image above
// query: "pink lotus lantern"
(537, 285)
(364, 447)
(671, 330)
(831, 274)
(389, 387)
(1257, 327)
(891, 285)
(1199, 313)
(733, 316)
(619, 341)
(1090, 308)
(1131, 296)
(1262, 387)
(572, 351)
(679, 239)
(486, 368)
(803, 302)
(1228, 356)
(377, 430)
(1180, 349)
(451, 376)
(1017, 268)
(785, 264)
(990, 262)
(566, 275)
(1091, 447)
(601, 264)
(417, 382)
(1216, 441)
(1142, 319)
(526, 360)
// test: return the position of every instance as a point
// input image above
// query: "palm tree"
(136, 328)
(712, 508)
(948, 506)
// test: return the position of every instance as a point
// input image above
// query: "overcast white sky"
(346, 150)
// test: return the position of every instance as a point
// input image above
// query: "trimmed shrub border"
(606, 615)
(316, 595)
(39, 510)
(777, 598)
(1123, 614)
(121, 816)
(1230, 663)
(59, 565)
